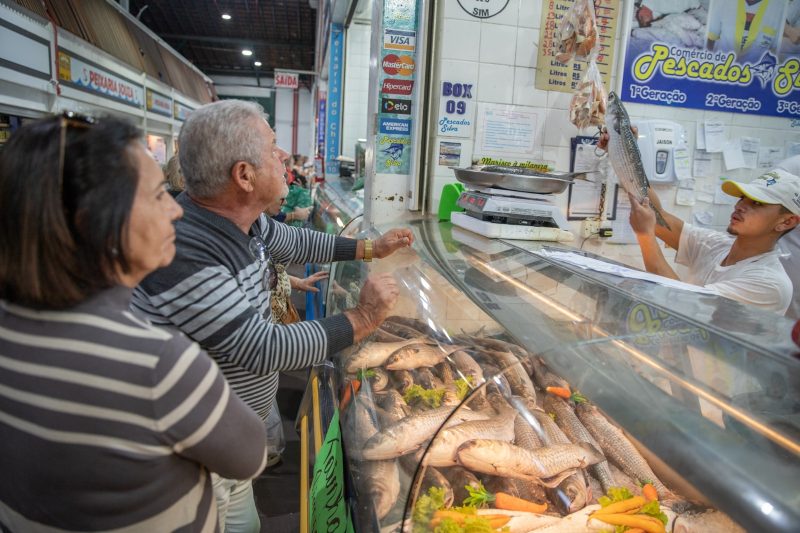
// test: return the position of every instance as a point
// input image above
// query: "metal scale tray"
(517, 179)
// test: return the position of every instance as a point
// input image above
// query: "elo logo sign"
(398, 65)
(396, 106)
(401, 87)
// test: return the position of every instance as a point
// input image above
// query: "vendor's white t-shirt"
(759, 280)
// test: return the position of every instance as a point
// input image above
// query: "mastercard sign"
(395, 65)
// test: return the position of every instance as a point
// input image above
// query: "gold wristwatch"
(367, 250)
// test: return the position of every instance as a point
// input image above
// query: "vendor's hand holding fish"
(391, 241)
(643, 218)
(602, 142)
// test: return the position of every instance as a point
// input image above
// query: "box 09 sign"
(286, 80)
(456, 110)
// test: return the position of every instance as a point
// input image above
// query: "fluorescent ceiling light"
(247, 52)
(257, 63)
(225, 16)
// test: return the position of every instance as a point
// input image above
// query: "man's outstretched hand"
(391, 241)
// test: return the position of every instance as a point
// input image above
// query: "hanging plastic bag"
(588, 105)
(577, 33)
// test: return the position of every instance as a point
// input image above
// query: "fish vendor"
(743, 264)
(218, 289)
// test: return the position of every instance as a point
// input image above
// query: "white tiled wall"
(498, 56)
(356, 87)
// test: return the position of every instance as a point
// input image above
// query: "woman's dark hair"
(62, 234)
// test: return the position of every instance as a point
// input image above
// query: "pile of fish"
(483, 418)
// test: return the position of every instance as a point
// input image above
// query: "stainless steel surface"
(517, 179)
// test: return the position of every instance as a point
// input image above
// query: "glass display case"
(509, 390)
(335, 205)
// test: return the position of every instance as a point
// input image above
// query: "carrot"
(441, 514)
(350, 389)
(495, 520)
(621, 507)
(635, 530)
(649, 492)
(561, 392)
(647, 523)
(512, 503)
(498, 521)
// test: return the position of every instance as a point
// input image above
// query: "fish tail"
(660, 219)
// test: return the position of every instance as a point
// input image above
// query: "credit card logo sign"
(395, 126)
(401, 87)
(399, 40)
(398, 65)
(396, 106)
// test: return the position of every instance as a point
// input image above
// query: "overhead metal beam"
(233, 41)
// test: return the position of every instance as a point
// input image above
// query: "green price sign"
(327, 504)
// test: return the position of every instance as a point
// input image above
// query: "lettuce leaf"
(615, 494)
(430, 397)
(654, 509)
(426, 505)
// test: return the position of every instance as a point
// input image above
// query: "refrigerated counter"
(703, 388)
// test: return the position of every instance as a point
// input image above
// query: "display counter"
(693, 393)
(335, 205)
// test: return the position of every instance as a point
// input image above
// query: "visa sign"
(286, 80)
(399, 40)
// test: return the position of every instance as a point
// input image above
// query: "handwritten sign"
(552, 75)
(327, 504)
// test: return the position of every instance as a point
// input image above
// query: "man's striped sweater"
(215, 292)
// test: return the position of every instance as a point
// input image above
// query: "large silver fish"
(572, 493)
(382, 483)
(373, 354)
(467, 367)
(360, 423)
(442, 451)
(619, 449)
(419, 355)
(624, 155)
(407, 434)
(460, 479)
(577, 432)
(549, 465)
(394, 406)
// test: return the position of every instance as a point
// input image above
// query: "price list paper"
(552, 75)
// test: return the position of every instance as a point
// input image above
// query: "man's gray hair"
(214, 138)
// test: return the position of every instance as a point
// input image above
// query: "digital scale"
(504, 214)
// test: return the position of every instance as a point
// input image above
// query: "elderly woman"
(106, 422)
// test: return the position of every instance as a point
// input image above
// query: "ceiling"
(281, 33)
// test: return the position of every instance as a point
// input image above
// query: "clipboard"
(584, 197)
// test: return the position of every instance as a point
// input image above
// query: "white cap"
(775, 187)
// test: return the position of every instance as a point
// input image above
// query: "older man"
(217, 290)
